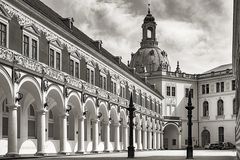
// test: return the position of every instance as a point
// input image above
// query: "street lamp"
(189, 108)
(131, 110)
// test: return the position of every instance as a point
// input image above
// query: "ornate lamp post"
(189, 108)
(131, 110)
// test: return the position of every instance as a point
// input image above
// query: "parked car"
(228, 145)
(215, 146)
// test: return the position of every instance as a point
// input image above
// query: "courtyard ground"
(151, 155)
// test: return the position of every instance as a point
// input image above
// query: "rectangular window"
(77, 69)
(5, 126)
(104, 83)
(207, 88)
(71, 68)
(111, 86)
(173, 91)
(101, 81)
(58, 59)
(221, 134)
(50, 130)
(218, 87)
(31, 129)
(203, 89)
(191, 92)
(168, 90)
(222, 86)
(186, 92)
(174, 142)
(51, 58)
(233, 85)
(26, 46)
(115, 88)
(3, 35)
(92, 77)
(88, 75)
(34, 49)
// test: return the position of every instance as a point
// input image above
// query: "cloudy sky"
(198, 33)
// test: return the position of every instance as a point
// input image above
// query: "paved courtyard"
(155, 155)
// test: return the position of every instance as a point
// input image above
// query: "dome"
(149, 18)
(150, 60)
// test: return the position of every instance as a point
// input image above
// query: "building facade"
(213, 94)
(62, 92)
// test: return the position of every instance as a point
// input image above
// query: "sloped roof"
(220, 68)
(56, 18)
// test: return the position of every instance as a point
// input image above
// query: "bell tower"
(149, 31)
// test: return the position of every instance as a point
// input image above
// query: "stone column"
(12, 132)
(80, 136)
(158, 140)
(144, 140)
(63, 134)
(125, 137)
(116, 137)
(154, 139)
(95, 136)
(139, 147)
(161, 140)
(179, 141)
(106, 136)
(41, 126)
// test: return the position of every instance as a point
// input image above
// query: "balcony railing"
(171, 117)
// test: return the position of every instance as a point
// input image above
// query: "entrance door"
(205, 137)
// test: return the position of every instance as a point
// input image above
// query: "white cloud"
(197, 33)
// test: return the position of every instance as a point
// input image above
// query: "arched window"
(205, 109)
(205, 137)
(234, 107)
(50, 125)
(149, 32)
(4, 118)
(31, 122)
(220, 109)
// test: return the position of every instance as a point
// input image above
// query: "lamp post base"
(189, 152)
(131, 152)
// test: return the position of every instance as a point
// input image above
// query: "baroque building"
(62, 92)
(212, 92)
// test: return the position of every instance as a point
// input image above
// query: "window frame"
(91, 70)
(5, 22)
(55, 50)
(75, 61)
(31, 37)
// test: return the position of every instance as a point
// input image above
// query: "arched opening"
(205, 137)
(90, 125)
(149, 32)
(220, 107)
(205, 109)
(104, 125)
(4, 118)
(32, 122)
(171, 136)
(114, 128)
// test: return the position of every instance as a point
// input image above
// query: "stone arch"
(171, 133)
(55, 101)
(104, 121)
(90, 107)
(6, 84)
(73, 101)
(205, 135)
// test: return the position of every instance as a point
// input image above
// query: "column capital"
(81, 118)
(94, 120)
(13, 106)
(65, 115)
(42, 111)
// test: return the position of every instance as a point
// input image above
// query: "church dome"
(150, 60)
(149, 18)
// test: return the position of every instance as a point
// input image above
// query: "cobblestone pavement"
(152, 155)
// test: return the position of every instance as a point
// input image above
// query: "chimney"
(119, 59)
(68, 22)
(98, 44)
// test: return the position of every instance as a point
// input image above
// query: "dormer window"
(30, 42)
